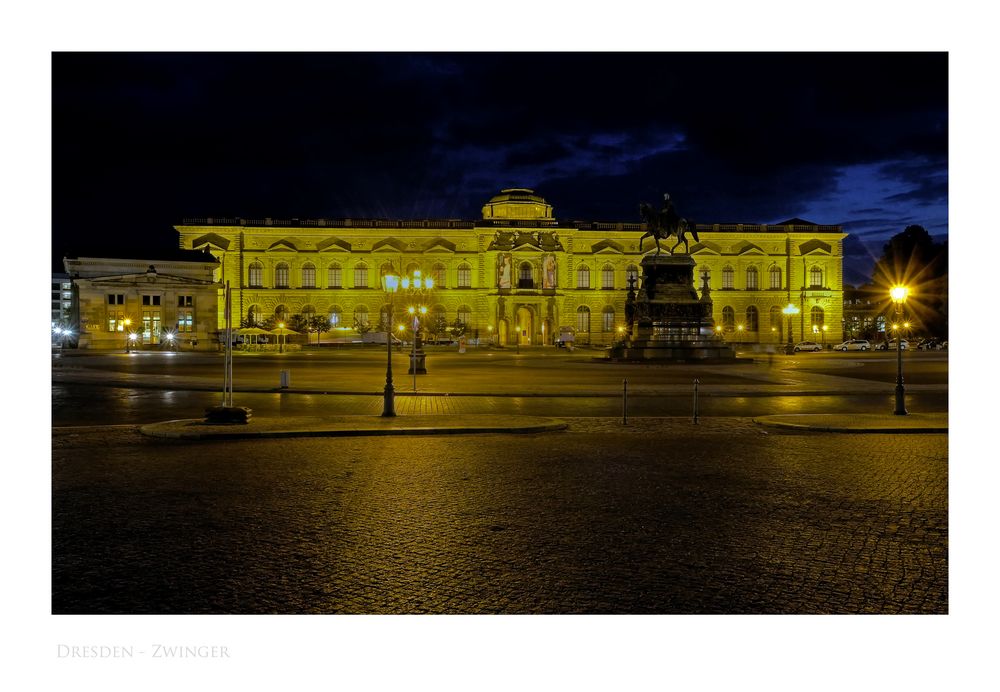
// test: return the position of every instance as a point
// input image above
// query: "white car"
(807, 346)
(891, 346)
(853, 345)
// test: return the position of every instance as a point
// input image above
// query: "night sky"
(141, 141)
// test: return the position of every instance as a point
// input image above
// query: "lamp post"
(739, 331)
(281, 340)
(390, 285)
(128, 335)
(898, 295)
(417, 291)
(790, 310)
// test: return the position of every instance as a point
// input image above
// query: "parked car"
(807, 346)
(928, 345)
(891, 345)
(853, 345)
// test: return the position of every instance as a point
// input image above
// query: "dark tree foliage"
(914, 259)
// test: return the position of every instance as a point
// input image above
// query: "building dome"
(517, 203)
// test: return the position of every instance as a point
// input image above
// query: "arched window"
(254, 316)
(255, 276)
(361, 276)
(386, 268)
(583, 277)
(816, 316)
(775, 275)
(775, 317)
(334, 276)
(608, 319)
(336, 316)
(464, 276)
(607, 276)
(752, 284)
(524, 276)
(308, 275)
(281, 314)
(281, 275)
(631, 276)
(728, 276)
(815, 277)
(728, 318)
(465, 314)
(412, 268)
(440, 275)
(583, 319)
(753, 319)
(361, 315)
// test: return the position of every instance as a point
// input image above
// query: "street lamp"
(281, 341)
(417, 290)
(790, 310)
(390, 285)
(128, 335)
(898, 295)
(739, 331)
(823, 333)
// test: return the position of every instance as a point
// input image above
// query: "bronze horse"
(665, 224)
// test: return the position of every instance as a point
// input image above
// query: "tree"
(438, 325)
(458, 329)
(912, 258)
(362, 328)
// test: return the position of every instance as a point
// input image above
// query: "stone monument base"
(670, 322)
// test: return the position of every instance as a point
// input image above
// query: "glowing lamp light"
(899, 293)
(392, 283)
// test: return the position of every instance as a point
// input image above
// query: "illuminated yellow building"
(520, 275)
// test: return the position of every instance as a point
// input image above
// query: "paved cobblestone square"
(661, 516)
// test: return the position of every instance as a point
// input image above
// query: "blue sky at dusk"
(141, 141)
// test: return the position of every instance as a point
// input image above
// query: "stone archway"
(525, 325)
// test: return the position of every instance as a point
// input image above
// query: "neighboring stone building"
(518, 273)
(114, 297)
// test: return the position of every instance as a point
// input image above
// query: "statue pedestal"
(670, 321)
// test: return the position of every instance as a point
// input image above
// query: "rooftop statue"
(665, 223)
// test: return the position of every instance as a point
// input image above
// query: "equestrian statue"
(665, 223)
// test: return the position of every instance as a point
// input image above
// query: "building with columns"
(140, 301)
(519, 275)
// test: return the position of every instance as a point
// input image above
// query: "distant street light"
(898, 295)
(128, 334)
(790, 310)
(390, 286)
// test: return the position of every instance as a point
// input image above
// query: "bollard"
(696, 402)
(284, 379)
(625, 401)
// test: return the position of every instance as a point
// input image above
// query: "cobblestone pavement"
(660, 516)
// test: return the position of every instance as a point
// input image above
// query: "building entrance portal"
(525, 325)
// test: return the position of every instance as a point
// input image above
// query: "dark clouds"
(140, 141)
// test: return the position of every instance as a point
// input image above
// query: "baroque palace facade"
(520, 276)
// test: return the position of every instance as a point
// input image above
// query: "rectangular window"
(752, 281)
(308, 277)
(281, 276)
(607, 278)
(334, 278)
(775, 279)
(116, 299)
(727, 278)
(185, 301)
(150, 300)
(185, 320)
(361, 277)
(116, 321)
(607, 321)
(464, 277)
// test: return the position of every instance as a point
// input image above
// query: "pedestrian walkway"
(347, 426)
(867, 423)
